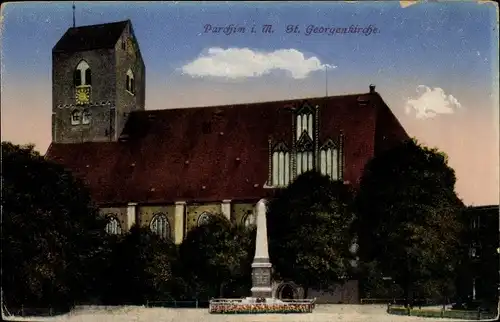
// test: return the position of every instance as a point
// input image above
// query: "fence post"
(196, 303)
(22, 309)
(479, 313)
(50, 311)
(175, 303)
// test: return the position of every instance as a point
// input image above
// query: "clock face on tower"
(82, 95)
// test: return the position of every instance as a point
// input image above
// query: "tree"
(52, 235)
(409, 218)
(309, 231)
(141, 268)
(216, 257)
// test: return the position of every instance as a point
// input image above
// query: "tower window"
(280, 166)
(160, 226)
(130, 84)
(82, 74)
(75, 117)
(86, 116)
(88, 77)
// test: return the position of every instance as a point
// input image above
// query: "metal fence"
(441, 313)
(31, 311)
(193, 304)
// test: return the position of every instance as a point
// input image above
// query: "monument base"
(261, 278)
(251, 305)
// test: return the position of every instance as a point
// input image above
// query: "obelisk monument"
(261, 266)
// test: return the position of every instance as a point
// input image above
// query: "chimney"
(372, 88)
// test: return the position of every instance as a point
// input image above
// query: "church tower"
(98, 78)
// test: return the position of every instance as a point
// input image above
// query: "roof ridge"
(292, 100)
(101, 24)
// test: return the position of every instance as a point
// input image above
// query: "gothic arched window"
(203, 219)
(304, 122)
(86, 116)
(76, 117)
(160, 226)
(305, 136)
(113, 226)
(130, 83)
(330, 160)
(249, 219)
(305, 158)
(280, 166)
(83, 75)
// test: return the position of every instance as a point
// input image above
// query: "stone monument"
(261, 300)
(261, 266)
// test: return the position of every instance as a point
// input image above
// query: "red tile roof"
(220, 152)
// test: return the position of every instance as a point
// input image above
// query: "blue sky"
(427, 56)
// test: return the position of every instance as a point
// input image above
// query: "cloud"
(405, 4)
(431, 102)
(244, 62)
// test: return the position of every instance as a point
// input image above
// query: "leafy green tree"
(309, 231)
(375, 285)
(216, 259)
(409, 218)
(141, 268)
(52, 235)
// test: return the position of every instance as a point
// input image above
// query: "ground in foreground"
(322, 313)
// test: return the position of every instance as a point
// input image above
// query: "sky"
(434, 63)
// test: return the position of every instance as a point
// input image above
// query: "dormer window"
(305, 156)
(86, 116)
(83, 74)
(305, 122)
(75, 117)
(280, 166)
(330, 160)
(130, 83)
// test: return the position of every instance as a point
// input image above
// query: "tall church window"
(83, 74)
(160, 226)
(305, 157)
(330, 160)
(280, 166)
(113, 226)
(86, 116)
(75, 117)
(204, 219)
(304, 122)
(130, 82)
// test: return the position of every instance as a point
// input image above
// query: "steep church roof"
(220, 152)
(91, 37)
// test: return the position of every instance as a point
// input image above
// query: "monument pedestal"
(261, 278)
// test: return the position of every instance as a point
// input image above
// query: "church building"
(171, 169)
